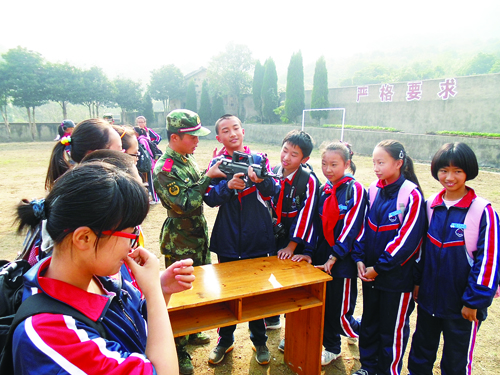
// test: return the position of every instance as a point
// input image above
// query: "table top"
(228, 281)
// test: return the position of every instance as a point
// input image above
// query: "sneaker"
(271, 324)
(263, 356)
(217, 354)
(281, 346)
(361, 372)
(352, 340)
(185, 365)
(327, 357)
(199, 338)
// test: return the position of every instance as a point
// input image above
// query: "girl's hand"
(178, 277)
(469, 314)
(370, 273)
(362, 272)
(302, 257)
(327, 267)
(146, 267)
(416, 288)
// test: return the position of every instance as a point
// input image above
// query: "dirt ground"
(22, 170)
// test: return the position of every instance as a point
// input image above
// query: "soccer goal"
(326, 109)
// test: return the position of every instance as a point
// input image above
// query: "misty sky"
(129, 39)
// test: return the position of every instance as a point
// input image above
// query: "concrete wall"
(20, 132)
(475, 107)
(419, 146)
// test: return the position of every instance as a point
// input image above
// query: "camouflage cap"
(184, 121)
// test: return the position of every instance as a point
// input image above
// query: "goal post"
(326, 109)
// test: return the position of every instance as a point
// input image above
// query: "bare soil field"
(22, 174)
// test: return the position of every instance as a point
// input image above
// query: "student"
(130, 144)
(147, 177)
(243, 228)
(295, 204)
(153, 136)
(180, 187)
(89, 135)
(392, 237)
(457, 278)
(341, 208)
(92, 212)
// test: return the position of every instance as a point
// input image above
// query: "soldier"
(180, 187)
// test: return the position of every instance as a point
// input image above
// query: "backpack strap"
(472, 223)
(40, 303)
(403, 196)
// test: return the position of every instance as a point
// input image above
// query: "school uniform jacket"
(388, 245)
(243, 227)
(449, 278)
(297, 213)
(57, 344)
(346, 230)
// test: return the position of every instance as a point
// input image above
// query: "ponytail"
(30, 213)
(58, 164)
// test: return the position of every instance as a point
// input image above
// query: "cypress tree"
(217, 108)
(147, 109)
(258, 78)
(270, 91)
(295, 96)
(191, 102)
(205, 110)
(319, 98)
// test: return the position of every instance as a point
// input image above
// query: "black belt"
(197, 212)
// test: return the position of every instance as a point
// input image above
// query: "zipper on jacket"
(120, 302)
(443, 234)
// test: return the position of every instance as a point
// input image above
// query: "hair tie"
(38, 206)
(348, 147)
(121, 136)
(401, 154)
(66, 140)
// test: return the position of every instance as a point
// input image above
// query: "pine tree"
(205, 111)
(295, 96)
(319, 97)
(147, 109)
(270, 91)
(191, 102)
(258, 78)
(217, 108)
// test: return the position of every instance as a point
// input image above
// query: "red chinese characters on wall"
(448, 88)
(414, 91)
(386, 92)
(362, 91)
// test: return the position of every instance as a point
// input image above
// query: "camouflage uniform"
(184, 233)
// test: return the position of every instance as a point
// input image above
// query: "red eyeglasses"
(134, 236)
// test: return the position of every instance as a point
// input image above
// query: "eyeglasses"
(136, 155)
(134, 236)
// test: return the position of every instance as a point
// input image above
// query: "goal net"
(341, 112)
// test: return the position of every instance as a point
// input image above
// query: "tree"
(205, 111)
(295, 96)
(128, 96)
(96, 90)
(167, 83)
(228, 72)
(147, 108)
(258, 78)
(270, 99)
(480, 64)
(191, 101)
(63, 85)
(27, 78)
(217, 108)
(319, 96)
(5, 93)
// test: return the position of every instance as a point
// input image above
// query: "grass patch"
(466, 134)
(362, 127)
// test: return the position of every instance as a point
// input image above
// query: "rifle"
(240, 163)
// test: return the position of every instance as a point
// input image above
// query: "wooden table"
(230, 293)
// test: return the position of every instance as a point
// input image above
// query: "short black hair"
(301, 139)
(457, 154)
(222, 118)
(169, 135)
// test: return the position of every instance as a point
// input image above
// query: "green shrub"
(361, 127)
(466, 134)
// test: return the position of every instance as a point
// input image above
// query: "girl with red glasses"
(92, 215)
